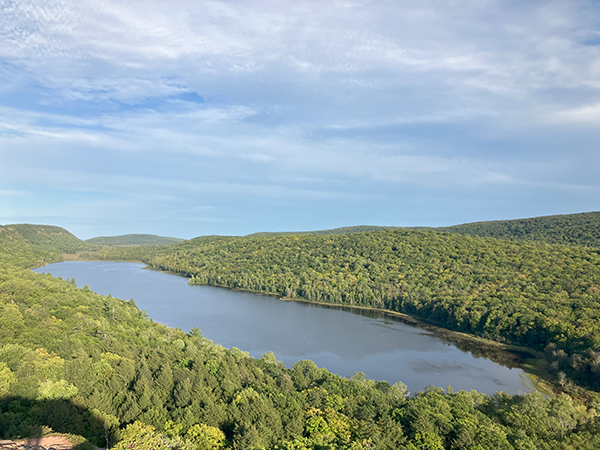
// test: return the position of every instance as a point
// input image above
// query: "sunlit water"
(339, 340)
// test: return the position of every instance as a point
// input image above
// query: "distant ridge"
(132, 240)
(46, 237)
(571, 229)
(341, 230)
(24, 245)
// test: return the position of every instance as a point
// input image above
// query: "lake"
(341, 340)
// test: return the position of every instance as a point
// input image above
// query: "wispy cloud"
(488, 45)
(584, 114)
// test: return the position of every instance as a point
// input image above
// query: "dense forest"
(76, 362)
(575, 229)
(35, 245)
(132, 239)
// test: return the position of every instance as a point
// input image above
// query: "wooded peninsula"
(98, 368)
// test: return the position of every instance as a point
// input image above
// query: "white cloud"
(221, 137)
(585, 114)
(75, 46)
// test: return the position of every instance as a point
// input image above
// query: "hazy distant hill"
(23, 244)
(334, 231)
(579, 229)
(133, 239)
(49, 237)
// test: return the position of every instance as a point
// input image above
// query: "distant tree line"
(569, 229)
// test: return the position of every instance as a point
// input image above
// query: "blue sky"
(186, 118)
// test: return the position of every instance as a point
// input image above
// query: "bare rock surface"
(43, 443)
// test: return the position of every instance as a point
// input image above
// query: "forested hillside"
(48, 238)
(132, 239)
(33, 245)
(97, 366)
(573, 229)
(542, 296)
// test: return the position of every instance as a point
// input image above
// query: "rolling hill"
(26, 245)
(571, 229)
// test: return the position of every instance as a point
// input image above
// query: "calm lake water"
(342, 341)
